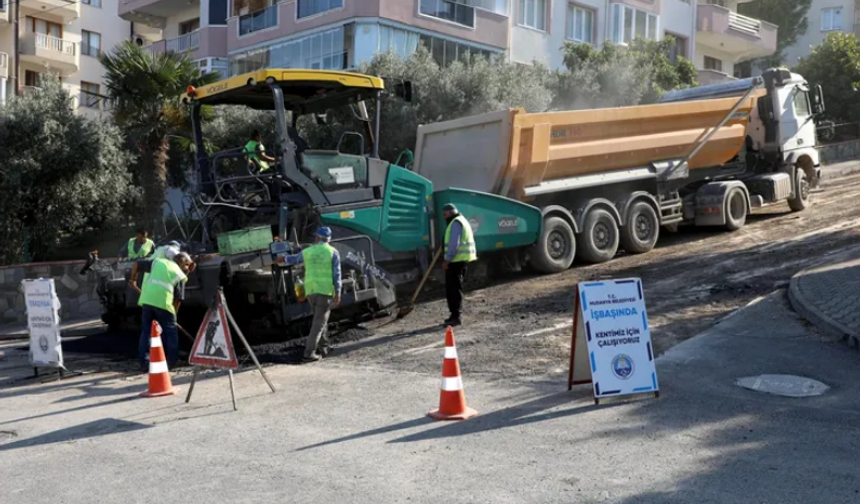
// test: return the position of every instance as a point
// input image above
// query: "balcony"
(729, 32)
(46, 51)
(67, 10)
(208, 42)
(4, 65)
(152, 13)
(708, 77)
(260, 20)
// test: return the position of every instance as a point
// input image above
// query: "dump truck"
(612, 178)
(385, 218)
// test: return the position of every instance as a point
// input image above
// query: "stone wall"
(78, 296)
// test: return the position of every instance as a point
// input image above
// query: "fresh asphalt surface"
(339, 432)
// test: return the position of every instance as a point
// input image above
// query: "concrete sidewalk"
(340, 433)
(828, 294)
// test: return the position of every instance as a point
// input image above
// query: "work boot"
(452, 321)
(325, 351)
(314, 357)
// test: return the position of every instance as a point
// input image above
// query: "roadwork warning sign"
(611, 320)
(213, 346)
(43, 323)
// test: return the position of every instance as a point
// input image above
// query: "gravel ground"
(520, 326)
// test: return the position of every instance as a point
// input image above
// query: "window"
(455, 11)
(32, 79)
(679, 50)
(90, 95)
(713, 64)
(260, 20)
(324, 51)
(580, 24)
(44, 27)
(532, 14)
(448, 51)
(801, 103)
(91, 43)
(628, 24)
(189, 26)
(308, 8)
(831, 19)
(497, 6)
(94, 3)
(721, 3)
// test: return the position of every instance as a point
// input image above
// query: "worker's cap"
(324, 232)
(174, 244)
(450, 207)
(171, 252)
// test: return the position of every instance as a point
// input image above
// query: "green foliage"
(61, 172)
(613, 76)
(789, 15)
(835, 65)
(145, 89)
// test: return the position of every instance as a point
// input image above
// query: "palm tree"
(145, 89)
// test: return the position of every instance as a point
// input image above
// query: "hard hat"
(324, 232)
(171, 252)
(450, 207)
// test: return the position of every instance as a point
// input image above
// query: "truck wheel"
(642, 229)
(557, 247)
(801, 201)
(599, 239)
(736, 210)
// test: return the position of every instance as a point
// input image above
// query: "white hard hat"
(171, 252)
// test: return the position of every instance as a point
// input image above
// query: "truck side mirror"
(817, 101)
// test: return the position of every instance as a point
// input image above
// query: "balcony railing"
(260, 20)
(744, 24)
(184, 43)
(55, 44)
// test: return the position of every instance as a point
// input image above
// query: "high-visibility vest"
(318, 269)
(161, 252)
(466, 250)
(144, 250)
(251, 148)
(159, 285)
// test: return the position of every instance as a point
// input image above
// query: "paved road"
(347, 433)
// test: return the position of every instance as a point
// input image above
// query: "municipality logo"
(622, 366)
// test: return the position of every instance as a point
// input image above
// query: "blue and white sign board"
(43, 322)
(613, 323)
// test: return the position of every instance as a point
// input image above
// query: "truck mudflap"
(498, 223)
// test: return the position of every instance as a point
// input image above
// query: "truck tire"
(736, 210)
(598, 241)
(556, 249)
(642, 229)
(801, 201)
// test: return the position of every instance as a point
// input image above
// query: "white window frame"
(831, 26)
(619, 21)
(538, 22)
(570, 34)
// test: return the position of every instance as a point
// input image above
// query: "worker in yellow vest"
(256, 152)
(160, 297)
(322, 288)
(138, 247)
(460, 250)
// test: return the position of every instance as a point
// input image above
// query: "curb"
(819, 319)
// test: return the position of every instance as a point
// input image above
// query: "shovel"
(406, 310)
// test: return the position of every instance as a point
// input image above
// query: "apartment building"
(64, 37)
(825, 17)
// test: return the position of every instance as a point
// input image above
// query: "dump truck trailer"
(611, 178)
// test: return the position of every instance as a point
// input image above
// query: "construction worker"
(322, 288)
(166, 251)
(138, 247)
(163, 291)
(460, 250)
(257, 152)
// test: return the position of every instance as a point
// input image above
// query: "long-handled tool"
(406, 310)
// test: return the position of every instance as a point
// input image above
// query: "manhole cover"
(7, 436)
(784, 385)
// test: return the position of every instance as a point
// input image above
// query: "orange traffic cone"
(159, 377)
(452, 401)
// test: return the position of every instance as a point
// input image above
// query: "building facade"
(64, 37)
(825, 17)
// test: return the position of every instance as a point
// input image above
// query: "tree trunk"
(153, 178)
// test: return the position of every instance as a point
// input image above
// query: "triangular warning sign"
(214, 346)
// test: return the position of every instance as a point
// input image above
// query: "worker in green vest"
(160, 297)
(322, 288)
(460, 250)
(138, 247)
(166, 251)
(257, 152)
